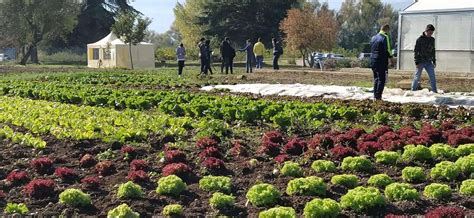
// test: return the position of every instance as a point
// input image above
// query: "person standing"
(222, 56)
(259, 50)
(208, 56)
(228, 54)
(425, 57)
(232, 54)
(248, 49)
(380, 56)
(181, 56)
(202, 54)
(277, 52)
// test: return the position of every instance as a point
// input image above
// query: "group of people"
(381, 56)
(257, 52)
(228, 52)
(380, 59)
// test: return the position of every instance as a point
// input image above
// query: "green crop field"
(84, 142)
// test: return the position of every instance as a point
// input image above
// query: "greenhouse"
(454, 22)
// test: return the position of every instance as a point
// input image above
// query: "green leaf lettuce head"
(74, 197)
(283, 212)
(13, 208)
(263, 195)
(122, 211)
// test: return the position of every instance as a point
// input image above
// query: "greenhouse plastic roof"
(441, 5)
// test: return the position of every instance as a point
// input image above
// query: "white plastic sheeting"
(351, 92)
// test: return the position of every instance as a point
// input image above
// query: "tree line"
(305, 25)
(56, 24)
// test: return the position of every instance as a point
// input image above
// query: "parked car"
(317, 55)
(314, 59)
(327, 55)
(337, 56)
(4, 57)
(363, 56)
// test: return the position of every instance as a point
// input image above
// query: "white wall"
(143, 56)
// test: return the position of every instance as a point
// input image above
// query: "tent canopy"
(440, 5)
(111, 52)
(112, 39)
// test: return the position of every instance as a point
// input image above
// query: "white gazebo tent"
(112, 52)
(454, 23)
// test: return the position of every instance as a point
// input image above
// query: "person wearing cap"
(381, 55)
(425, 57)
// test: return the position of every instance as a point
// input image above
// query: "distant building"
(454, 23)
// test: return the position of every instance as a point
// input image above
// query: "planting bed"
(60, 157)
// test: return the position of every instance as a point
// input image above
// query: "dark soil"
(195, 201)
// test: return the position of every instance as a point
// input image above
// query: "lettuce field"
(147, 143)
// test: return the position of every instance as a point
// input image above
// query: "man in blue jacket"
(248, 49)
(379, 59)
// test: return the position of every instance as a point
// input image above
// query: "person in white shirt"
(181, 56)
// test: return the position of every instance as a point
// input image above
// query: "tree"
(187, 15)
(309, 29)
(237, 19)
(95, 20)
(28, 23)
(130, 27)
(360, 20)
(170, 38)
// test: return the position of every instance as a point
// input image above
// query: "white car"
(4, 57)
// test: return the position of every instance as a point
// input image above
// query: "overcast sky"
(161, 11)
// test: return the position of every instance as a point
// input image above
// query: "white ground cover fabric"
(351, 92)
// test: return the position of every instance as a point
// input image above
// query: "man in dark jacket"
(222, 55)
(379, 59)
(208, 53)
(228, 54)
(277, 52)
(231, 59)
(425, 57)
(248, 49)
(202, 54)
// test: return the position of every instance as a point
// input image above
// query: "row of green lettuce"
(17, 137)
(85, 122)
(149, 79)
(282, 114)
